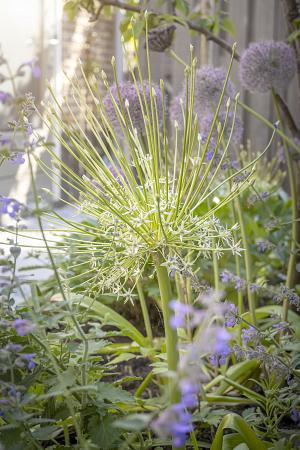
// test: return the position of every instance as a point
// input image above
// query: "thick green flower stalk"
(146, 192)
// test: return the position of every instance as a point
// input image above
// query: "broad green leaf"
(239, 372)
(228, 26)
(240, 426)
(113, 394)
(46, 433)
(182, 6)
(94, 306)
(134, 422)
(103, 432)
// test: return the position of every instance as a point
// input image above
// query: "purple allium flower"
(17, 158)
(4, 97)
(267, 64)
(35, 69)
(161, 38)
(129, 93)
(23, 326)
(209, 82)
(9, 206)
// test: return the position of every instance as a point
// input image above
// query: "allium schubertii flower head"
(149, 211)
(267, 64)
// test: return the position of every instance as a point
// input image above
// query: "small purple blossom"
(189, 390)
(231, 315)
(181, 313)
(29, 358)
(295, 415)
(17, 158)
(226, 276)
(264, 245)
(9, 206)
(221, 347)
(14, 347)
(4, 97)
(174, 422)
(266, 65)
(250, 335)
(23, 326)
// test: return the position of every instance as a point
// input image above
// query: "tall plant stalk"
(170, 334)
(291, 269)
(145, 311)
(248, 261)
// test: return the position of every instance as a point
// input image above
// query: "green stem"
(291, 270)
(269, 124)
(145, 311)
(194, 440)
(145, 383)
(170, 334)
(248, 262)
(216, 271)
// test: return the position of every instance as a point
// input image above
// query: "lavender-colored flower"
(267, 64)
(9, 206)
(173, 422)
(4, 97)
(189, 390)
(181, 312)
(134, 96)
(221, 347)
(29, 358)
(161, 38)
(264, 245)
(226, 276)
(14, 347)
(17, 158)
(23, 326)
(209, 82)
(231, 315)
(250, 335)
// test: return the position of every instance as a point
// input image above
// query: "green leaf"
(239, 372)
(294, 35)
(182, 6)
(124, 325)
(240, 426)
(70, 8)
(134, 422)
(113, 394)
(121, 358)
(11, 439)
(228, 26)
(46, 433)
(103, 432)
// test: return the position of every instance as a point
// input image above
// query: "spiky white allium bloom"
(157, 205)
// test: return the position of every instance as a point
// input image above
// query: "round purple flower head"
(132, 95)
(209, 82)
(267, 64)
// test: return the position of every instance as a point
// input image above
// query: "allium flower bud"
(131, 94)
(160, 38)
(267, 64)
